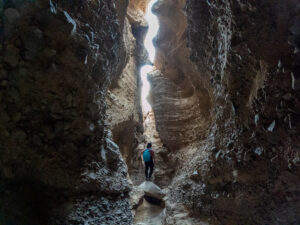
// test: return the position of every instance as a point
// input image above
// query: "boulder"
(136, 197)
(152, 190)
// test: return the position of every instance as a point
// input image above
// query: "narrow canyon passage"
(147, 212)
(214, 86)
(150, 132)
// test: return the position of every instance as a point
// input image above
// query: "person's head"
(149, 145)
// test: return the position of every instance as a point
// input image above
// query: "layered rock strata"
(247, 169)
(180, 101)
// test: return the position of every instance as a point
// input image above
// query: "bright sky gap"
(148, 43)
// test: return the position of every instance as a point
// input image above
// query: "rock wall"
(247, 170)
(180, 101)
(225, 96)
(58, 162)
(123, 100)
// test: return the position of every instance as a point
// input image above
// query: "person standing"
(148, 158)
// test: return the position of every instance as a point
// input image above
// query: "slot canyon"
(222, 112)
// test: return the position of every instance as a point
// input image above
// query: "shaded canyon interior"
(225, 94)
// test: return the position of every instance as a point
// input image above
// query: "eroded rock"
(245, 77)
(152, 190)
(59, 59)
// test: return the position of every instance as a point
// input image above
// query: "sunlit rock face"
(124, 98)
(136, 15)
(58, 159)
(247, 170)
(123, 101)
(181, 101)
(139, 5)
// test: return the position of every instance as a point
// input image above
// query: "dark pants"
(147, 166)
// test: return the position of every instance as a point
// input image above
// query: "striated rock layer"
(180, 101)
(246, 53)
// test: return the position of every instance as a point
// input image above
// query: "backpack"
(147, 155)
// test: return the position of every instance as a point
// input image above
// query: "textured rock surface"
(136, 197)
(149, 214)
(225, 97)
(152, 190)
(148, 206)
(246, 171)
(180, 101)
(124, 113)
(59, 58)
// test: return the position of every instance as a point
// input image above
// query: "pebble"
(258, 151)
(256, 118)
(272, 126)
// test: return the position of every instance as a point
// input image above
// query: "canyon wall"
(124, 110)
(59, 163)
(225, 95)
(180, 101)
(245, 60)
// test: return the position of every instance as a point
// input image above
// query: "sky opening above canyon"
(148, 43)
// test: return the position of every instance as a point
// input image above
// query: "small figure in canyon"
(148, 158)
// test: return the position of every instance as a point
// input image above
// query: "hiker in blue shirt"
(148, 158)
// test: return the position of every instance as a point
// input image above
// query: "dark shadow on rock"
(154, 201)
